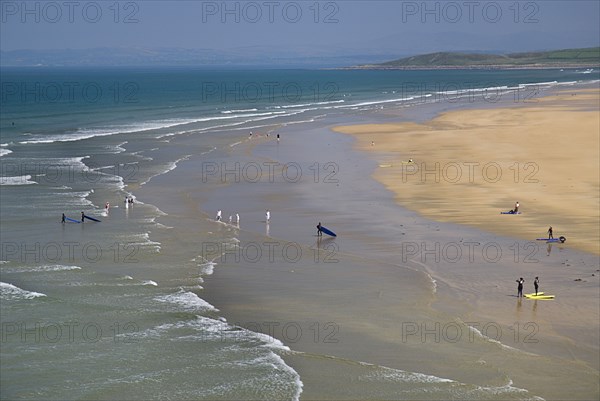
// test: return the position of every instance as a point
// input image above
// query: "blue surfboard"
(510, 213)
(93, 219)
(328, 232)
(559, 239)
(72, 220)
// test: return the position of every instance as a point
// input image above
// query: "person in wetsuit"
(520, 287)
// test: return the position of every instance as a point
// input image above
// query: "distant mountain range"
(578, 58)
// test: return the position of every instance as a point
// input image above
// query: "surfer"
(82, 217)
(237, 218)
(550, 236)
(63, 218)
(319, 232)
(268, 215)
(520, 287)
(218, 215)
(278, 138)
(536, 284)
(516, 207)
(106, 206)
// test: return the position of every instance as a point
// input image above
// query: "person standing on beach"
(63, 218)
(520, 287)
(82, 217)
(277, 137)
(536, 284)
(550, 236)
(319, 232)
(268, 215)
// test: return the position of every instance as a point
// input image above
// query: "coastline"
(337, 322)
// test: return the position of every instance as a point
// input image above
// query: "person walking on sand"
(520, 287)
(63, 218)
(516, 207)
(536, 284)
(268, 215)
(82, 217)
(550, 236)
(319, 232)
(278, 138)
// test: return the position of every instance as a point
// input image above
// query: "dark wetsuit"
(536, 285)
(520, 289)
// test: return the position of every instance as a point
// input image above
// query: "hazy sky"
(345, 27)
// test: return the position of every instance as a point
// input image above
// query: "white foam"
(483, 337)
(12, 292)
(171, 166)
(207, 268)
(4, 152)
(150, 282)
(187, 301)
(43, 268)
(17, 180)
(238, 111)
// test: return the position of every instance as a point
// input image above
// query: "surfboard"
(72, 220)
(328, 232)
(93, 219)
(533, 294)
(542, 297)
(510, 213)
(559, 239)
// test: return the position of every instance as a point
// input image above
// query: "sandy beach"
(469, 165)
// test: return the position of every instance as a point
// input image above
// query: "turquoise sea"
(114, 310)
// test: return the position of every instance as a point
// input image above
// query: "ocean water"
(114, 310)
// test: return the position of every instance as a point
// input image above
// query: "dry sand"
(469, 165)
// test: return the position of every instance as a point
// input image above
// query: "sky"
(304, 27)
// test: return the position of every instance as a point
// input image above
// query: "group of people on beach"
(267, 135)
(521, 281)
(220, 218)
